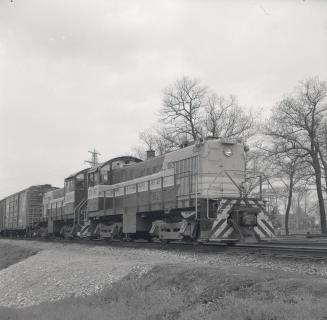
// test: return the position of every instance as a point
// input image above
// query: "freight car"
(200, 192)
(20, 211)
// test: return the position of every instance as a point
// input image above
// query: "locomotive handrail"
(243, 193)
(236, 185)
(83, 201)
(79, 211)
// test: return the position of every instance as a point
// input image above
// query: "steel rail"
(261, 249)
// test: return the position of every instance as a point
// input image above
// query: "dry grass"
(188, 292)
(11, 254)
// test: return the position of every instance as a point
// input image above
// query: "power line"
(94, 158)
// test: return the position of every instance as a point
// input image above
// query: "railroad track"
(281, 250)
(299, 240)
(287, 250)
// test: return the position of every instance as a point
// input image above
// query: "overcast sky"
(82, 74)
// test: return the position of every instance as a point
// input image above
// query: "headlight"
(228, 152)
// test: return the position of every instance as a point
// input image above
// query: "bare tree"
(225, 118)
(188, 112)
(182, 104)
(168, 140)
(157, 140)
(323, 151)
(301, 210)
(295, 125)
(287, 170)
(289, 173)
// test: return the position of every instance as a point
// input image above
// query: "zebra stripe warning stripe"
(264, 228)
(221, 228)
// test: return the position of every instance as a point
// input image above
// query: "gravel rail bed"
(69, 269)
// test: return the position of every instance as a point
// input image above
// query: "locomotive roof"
(128, 158)
(77, 173)
(143, 162)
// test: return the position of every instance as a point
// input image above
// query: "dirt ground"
(11, 254)
(149, 284)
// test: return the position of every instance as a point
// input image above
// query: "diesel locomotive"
(200, 192)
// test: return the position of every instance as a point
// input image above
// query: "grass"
(182, 292)
(11, 254)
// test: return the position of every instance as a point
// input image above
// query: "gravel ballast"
(61, 270)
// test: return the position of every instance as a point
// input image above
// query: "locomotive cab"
(75, 191)
(99, 180)
(104, 207)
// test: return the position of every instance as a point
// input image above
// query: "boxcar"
(21, 211)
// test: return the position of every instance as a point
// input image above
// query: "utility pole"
(94, 158)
